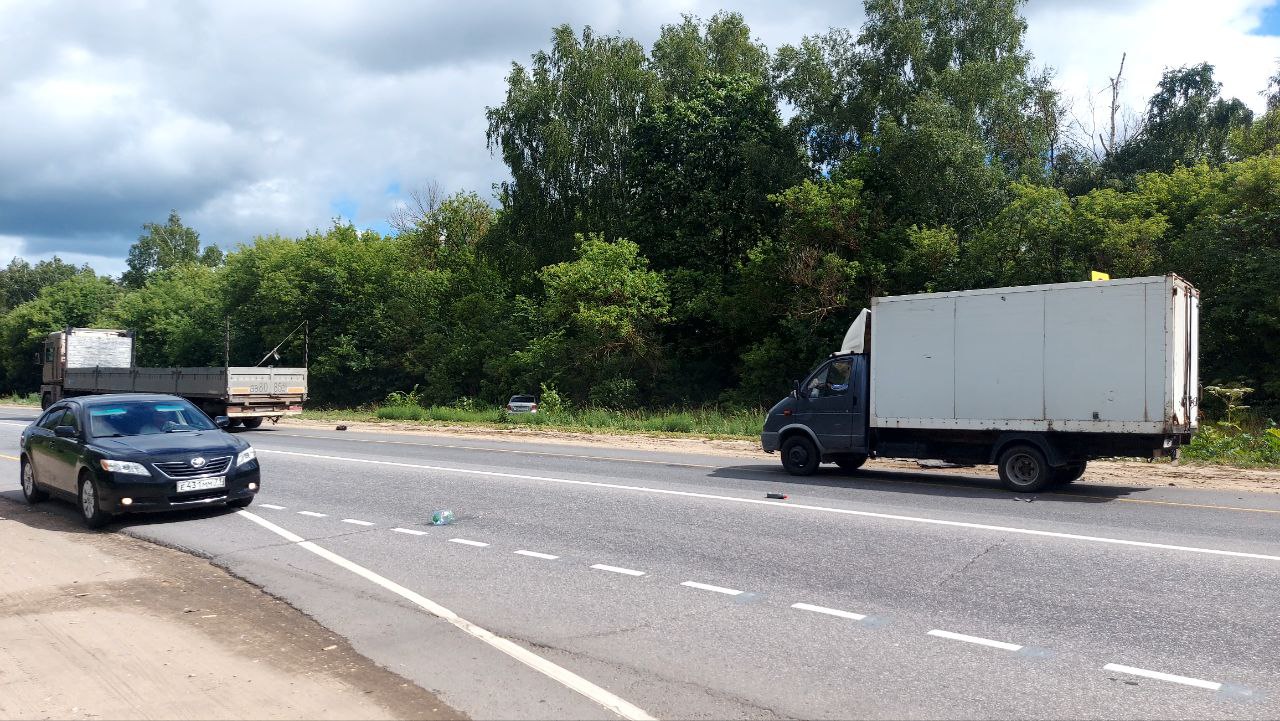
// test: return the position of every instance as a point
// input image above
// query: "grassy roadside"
(701, 422)
(13, 399)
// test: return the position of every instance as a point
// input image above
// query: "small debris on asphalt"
(329, 648)
(779, 496)
(1020, 498)
(442, 517)
(340, 428)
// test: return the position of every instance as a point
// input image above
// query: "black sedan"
(135, 452)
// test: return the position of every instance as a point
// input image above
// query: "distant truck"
(86, 361)
(1038, 380)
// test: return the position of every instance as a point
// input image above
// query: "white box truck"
(85, 361)
(1035, 379)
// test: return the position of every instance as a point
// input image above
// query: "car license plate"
(201, 484)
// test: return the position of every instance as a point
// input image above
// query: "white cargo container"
(1035, 379)
(1099, 357)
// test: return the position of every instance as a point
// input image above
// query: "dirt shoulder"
(1116, 473)
(98, 625)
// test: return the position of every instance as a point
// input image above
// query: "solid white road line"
(313, 514)
(535, 554)
(272, 506)
(465, 542)
(616, 569)
(829, 611)
(561, 675)
(1184, 680)
(356, 523)
(976, 639)
(410, 531)
(709, 587)
(791, 506)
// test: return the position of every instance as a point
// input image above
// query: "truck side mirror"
(37, 359)
(795, 389)
(222, 422)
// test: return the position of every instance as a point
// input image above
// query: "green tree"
(161, 247)
(177, 317)
(822, 79)
(687, 52)
(1187, 122)
(21, 282)
(81, 301)
(602, 311)
(563, 131)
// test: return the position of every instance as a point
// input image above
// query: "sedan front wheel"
(32, 492)
(90, 508)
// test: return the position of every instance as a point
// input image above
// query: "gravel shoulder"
(1111, 472)
(99, 625)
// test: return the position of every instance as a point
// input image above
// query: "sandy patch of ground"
(97, 625)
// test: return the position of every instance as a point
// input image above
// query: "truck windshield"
(144, 418)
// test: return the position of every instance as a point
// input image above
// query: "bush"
(401, 412)
(1227, 444)
(670, 423)
(400, 399)
(615, 394)
(550, 401)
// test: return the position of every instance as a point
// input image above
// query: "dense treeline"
(669, 236)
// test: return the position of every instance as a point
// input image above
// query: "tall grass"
(707, 421)
(15, 399)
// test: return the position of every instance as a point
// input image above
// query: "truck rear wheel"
(800, 456)
(1023, 468)
(851, 463)
(251, 423)
(1068, 473)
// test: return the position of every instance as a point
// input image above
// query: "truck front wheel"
(1023, 468)
(800, 456)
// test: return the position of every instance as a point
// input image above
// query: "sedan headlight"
(246, 455)
(126, 467)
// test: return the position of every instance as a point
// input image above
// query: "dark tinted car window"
(69, 419)
(52, 418)
(144, 418)
(521, 399)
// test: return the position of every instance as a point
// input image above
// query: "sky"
(252, 118)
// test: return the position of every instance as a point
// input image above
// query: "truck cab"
(824, 419)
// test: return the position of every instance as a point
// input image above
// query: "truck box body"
(1097, 357)
(82, 361)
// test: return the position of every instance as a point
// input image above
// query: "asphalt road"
(667, 585)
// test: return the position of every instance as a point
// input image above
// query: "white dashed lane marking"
(976, 640)
(616, 569)
(313, 514)
(272, 506)
(828, 611)
(355, 522)
(465, 542)
(1159, 676)
(535, 554)
(714, 589)
(410, 531)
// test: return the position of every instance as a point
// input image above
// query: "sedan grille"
(184, 469)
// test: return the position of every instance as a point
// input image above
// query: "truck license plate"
(201, 484)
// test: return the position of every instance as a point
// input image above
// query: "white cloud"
(252, 118)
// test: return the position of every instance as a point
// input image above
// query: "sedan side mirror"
(65, 432)
(222, 422)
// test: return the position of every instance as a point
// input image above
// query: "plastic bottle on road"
(442, 518)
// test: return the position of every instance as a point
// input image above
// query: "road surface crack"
(968, 564)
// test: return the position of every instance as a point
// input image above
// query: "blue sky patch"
(1270, 24)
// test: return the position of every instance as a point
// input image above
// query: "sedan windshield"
(144, 418)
